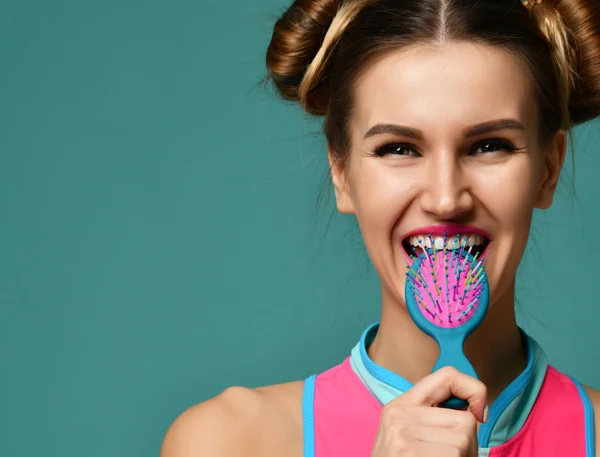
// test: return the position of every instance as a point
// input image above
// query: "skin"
(442, 178)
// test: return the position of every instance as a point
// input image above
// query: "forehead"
(448, 85)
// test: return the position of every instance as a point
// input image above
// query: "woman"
(442, 116)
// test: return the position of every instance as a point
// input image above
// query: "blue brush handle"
(450, 340)
(451, 354)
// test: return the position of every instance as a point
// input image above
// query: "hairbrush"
(447, 296)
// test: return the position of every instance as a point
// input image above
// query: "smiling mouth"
(472, 243)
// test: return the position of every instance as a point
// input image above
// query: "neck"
(496, 349)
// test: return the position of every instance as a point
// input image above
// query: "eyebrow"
(476, 130)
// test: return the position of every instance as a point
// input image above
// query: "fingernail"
(486, 413)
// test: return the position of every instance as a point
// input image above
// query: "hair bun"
(297, 37)
(582, 17)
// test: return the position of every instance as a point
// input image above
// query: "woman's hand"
(411, 425)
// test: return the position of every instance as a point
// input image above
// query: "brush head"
(447, 286)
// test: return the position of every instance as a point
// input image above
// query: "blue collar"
(507, 413)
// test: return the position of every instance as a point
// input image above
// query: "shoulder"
(594, 396)
(266, 421)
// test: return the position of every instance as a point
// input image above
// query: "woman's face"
(446, 136)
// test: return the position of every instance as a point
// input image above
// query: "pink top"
(341, 418)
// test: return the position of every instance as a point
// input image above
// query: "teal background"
(159, 238)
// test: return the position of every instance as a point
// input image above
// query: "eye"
(400, 149)
(493, 145)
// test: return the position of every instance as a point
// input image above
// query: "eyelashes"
(501, 144)
(483, 147)
(396, 149)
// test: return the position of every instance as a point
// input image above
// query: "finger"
(463, 441)
(437, 417)
(439, 386)
(434, 450)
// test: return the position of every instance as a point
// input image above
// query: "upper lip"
(449, 230)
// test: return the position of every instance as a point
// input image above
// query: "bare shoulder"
(241, 422)
(595, 399)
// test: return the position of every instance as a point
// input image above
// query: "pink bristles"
(447, 283)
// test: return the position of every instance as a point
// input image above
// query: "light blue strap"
(383, 383)
(385, 386)
(588, 411)
(308, 416)
(509, 412)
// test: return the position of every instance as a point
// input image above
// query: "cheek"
(509, 192)
(380, 194)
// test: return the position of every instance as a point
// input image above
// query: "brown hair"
(319, 49)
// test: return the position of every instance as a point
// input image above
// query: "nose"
(446, 194)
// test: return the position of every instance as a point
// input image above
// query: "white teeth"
(438, 241)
